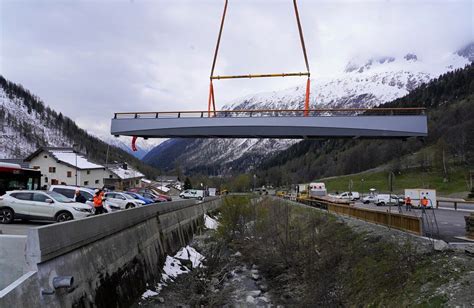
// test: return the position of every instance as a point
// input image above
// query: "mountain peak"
(467, 52)
(410, 57)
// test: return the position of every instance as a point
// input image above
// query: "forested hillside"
(27, 123)
(449, 100)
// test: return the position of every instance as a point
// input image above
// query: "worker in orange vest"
(424, 202)
(408, 203)
(99, 202)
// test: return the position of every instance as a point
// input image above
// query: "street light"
(73, 149)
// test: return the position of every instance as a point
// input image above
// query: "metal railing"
(270, 113)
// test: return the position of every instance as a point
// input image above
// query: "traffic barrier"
(402, 222)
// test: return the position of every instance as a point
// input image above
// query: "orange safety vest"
(98, 199)
(424, 202)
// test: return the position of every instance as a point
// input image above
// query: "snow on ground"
(149, 293)
(173, 268)
(210, 223)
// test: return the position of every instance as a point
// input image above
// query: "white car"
(385, 199)
(121, 200)
(70, 192)
(40, 205)
(192, 193)
(347, 195)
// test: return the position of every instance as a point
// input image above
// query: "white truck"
(417, 194)
(317, 190)
(212, 192)
(192, 193)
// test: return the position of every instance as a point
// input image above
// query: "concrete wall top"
(50, 241)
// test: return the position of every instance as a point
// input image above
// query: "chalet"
(67, 167)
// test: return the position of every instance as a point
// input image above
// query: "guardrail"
(402, 222)
(270, 112)
(455, 203)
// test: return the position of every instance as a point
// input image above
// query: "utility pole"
(73, 148)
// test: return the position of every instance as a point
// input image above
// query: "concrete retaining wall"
(12, 267)
(111, 257)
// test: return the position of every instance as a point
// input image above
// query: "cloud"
(89, 59)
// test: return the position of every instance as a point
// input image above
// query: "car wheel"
(6, 216)
(366, 202)
(64, 216)
(129, 206)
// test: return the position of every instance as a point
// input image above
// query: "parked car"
(385, 199)
(371, 197)
(192, 193)
(155, 197)
(40, 205)
(88, 193)
(121, 200)
(140, 197)
(348, 195)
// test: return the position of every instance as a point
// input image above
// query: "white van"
(192, 193)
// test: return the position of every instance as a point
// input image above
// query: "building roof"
(125, 173)
(68, 157)
(17, 161)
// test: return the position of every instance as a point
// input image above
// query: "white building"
(67, 167)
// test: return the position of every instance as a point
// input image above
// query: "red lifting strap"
(306, 99)
(134, 147)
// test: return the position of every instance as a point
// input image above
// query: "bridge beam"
(292, 127)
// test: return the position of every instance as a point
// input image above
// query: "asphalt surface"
(451, 223)
(19, 227)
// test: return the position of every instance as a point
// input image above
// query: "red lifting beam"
(303, 47)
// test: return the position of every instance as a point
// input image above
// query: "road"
(451, 223)
(20, 227)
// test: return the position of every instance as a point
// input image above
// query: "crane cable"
(303, 46)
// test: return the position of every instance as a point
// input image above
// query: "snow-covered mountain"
(23, 129)
(364, 83)
(143, 147)
(26, 123)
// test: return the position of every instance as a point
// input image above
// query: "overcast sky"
(88, 59)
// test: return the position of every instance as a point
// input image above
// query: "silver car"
(40, 205)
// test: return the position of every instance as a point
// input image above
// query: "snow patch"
(210, 223)
(149, 293)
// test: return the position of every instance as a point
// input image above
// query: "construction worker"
(408, 203)
(99, 202)
(424, 202)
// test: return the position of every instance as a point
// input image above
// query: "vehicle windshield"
(58, 197)
(127, 196)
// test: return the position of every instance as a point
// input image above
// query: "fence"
(398, 221)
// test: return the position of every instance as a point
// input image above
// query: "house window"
(54, 182)
(86, 183)
(97, 181)
(88, 172)
(46, 156)
(110, 176)
(46, 179)
(36, 167)
(69, 174)
(52, 169)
